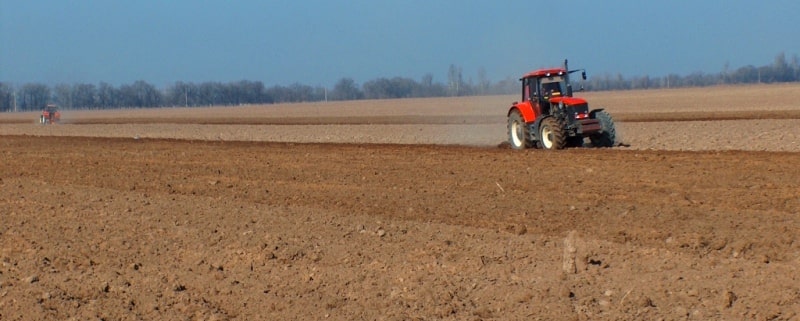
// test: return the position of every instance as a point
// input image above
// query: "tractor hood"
(568, 101)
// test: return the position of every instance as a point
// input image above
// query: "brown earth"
(117, 220)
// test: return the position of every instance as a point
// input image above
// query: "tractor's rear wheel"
(608, 133)
(551, 134)
(517, 131)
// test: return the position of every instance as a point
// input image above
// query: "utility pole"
(15, 101)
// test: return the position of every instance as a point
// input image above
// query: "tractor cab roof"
(546, 72)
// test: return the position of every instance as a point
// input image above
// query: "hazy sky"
(317, 42)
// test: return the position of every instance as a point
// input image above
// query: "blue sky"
(317, 42)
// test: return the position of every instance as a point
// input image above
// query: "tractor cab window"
(529, 91)
(553, 87)
(526, 92)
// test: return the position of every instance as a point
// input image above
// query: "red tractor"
(50, 115)
(549, 117)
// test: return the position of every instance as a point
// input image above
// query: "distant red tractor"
(50, 115)
(549, 117)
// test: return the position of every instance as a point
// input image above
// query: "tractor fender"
(594, 111)
(534, 128)
(525, 109)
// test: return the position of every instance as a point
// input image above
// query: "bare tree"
(454, 80)
(6, 97)
(63, 95)
(346, 89)
(33, 96)
(483, 82)
(84, 96)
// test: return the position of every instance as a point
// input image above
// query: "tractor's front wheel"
(517, 131)
(551, 134)
(608, 134)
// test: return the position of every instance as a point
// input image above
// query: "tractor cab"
(541, 88)
(543, 84)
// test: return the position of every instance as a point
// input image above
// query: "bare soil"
(407, 212)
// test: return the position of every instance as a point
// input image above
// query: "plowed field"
(404, 209)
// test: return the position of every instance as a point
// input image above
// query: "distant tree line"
(140, 94)
(779, 71)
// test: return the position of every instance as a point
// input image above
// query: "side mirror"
(583, 75)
